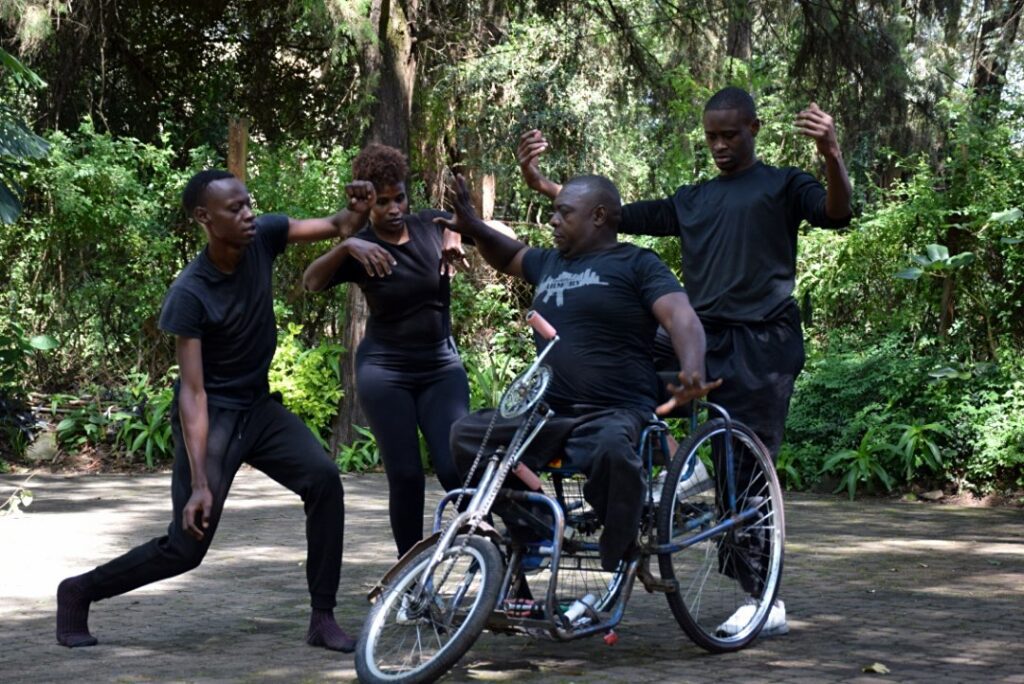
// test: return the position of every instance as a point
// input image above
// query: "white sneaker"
(698, 481)
(775, 625)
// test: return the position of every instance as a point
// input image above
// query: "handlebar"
(540, 324)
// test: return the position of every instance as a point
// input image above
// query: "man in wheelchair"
(606, 299)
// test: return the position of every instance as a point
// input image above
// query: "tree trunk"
(393, 59)
(238, 142)
(995, 44)
(741, 22)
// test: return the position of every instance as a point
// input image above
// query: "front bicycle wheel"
(418, 630)
(727, 578)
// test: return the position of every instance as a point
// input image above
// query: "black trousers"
(602, 443)
(759, 364)
(400, 390)
(270, 438)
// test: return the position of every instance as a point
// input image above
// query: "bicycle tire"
(738, 567)
(393, 617)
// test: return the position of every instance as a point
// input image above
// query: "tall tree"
(392, 57)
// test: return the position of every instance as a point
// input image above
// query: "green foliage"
(917, 450)
(964, 427)
(309, 380)
(147, 426)
(862, 465)
(16, 349)
(100, 221)
(302, 182)
(18, 144)
(85, 424)
(361, 455)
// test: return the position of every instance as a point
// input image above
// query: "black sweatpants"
(270, 438)
(401, 389)
(758, 364)
(602, 443)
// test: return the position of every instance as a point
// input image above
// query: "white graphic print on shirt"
(566, 281)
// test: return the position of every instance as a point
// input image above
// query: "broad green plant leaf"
(937, 252)
(43, 343)
(1007, 216)
(912, 273)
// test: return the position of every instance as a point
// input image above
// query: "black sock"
(73, 614)
(325, 632)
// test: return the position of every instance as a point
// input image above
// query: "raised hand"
(361, 196)
(531, 145)
(819, 126)
(453, 256)
(375, 259)
(690, 387)
(462, 207)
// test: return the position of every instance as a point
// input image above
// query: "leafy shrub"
(361, 455)
(146, 427)
(907, 410)
(309, 380)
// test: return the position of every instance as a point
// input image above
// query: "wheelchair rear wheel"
(728, 581)
(415, 633)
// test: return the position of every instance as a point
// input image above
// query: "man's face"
(730, 135)
(226, 213)
(391, 205)
(572, 222)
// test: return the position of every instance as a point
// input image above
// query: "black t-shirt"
(409, 307)
(738, 236)
(233, 315)
(601, 304)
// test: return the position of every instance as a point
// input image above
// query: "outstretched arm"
(374, 258)
(531, 145)
(195, 428)
(819, 126)
(675, 314)
(502, 252)
(342, 224)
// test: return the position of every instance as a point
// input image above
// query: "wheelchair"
(713, 519)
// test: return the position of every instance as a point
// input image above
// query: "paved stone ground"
(934, 593)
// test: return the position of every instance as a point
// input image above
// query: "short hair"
(603, 191)
(732, 98)
(193, 194)
(382, 165)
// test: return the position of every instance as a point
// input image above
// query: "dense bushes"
(909, 380)
(880, 405)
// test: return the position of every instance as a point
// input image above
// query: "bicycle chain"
(475, 521)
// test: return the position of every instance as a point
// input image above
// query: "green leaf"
(937, 252)
(66, 424)
(1008, 216)
(912, 273)
(21, 73)
(962, 259)
(139, 439)
(1011, 241)
(43, 343)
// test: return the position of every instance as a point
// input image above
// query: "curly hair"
(382, 165)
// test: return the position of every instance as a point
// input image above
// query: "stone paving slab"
(934, 593)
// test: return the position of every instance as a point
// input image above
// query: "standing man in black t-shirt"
(221, 311)
(606, 299)
(738, 235)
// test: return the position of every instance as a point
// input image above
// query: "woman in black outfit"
(408, 371)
